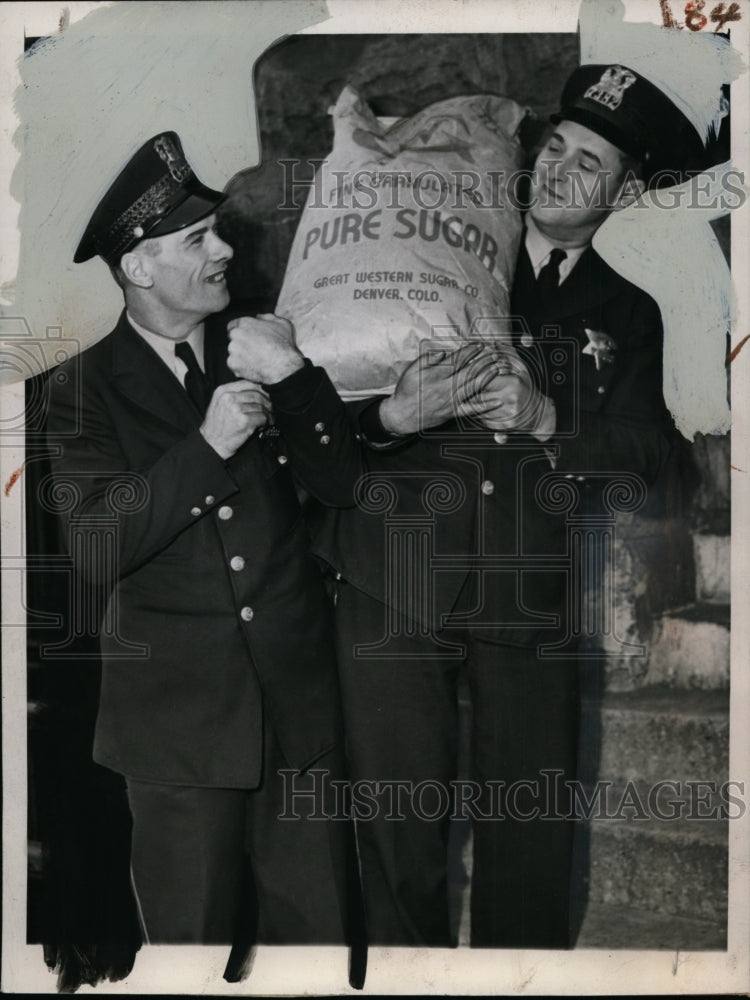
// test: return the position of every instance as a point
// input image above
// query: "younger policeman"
(584, 408)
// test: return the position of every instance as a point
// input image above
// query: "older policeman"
(219, 679)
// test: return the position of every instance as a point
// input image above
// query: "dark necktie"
(196, 383)
(548, 280)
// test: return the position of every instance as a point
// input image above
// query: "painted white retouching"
(664, 243)
(91, 95)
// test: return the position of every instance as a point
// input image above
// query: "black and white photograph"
(374, 467)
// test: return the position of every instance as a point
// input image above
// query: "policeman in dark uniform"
(219, 682)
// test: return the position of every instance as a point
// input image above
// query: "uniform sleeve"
(320, 436)
(151, 505)
(629, 429)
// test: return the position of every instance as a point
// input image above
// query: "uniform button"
(325, 439)
(580, 479)
(601, 390)
(237, 563)
(210, 499)
(569, 475)
(247, 614)
(195, 511)
(320, 427)
(527, 340)
(282, 459)
(488, 488)
(225, 513)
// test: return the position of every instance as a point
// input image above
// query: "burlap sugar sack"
(407, 234)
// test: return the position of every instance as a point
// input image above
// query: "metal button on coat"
(488, 488)
(601, 390)
(210, 499)
(325, 439)
(282, 459)
(195, 511)
(225, 513)
(320, 427)
(237, 563)
(247, 614)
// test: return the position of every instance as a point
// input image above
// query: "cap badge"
(609, 90)
(176, 163)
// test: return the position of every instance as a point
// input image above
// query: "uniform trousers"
(217, 865)
(401, 715)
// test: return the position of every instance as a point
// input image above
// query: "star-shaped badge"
(601, 347)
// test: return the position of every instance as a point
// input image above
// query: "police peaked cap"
(155, 193)
(632, 113)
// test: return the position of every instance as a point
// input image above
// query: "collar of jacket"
(140, 374)
(590, 283)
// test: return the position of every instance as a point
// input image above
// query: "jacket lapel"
(591, 282)
(140, 375)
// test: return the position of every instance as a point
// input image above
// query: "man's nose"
(565, 167)
(218, 249)
(548, 167)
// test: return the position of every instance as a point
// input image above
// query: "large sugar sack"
(409, 232)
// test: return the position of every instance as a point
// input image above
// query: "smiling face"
(577, 181)
(186, 271)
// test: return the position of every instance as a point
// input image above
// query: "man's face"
(188, 268)
(576, 183)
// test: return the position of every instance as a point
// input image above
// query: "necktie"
(196, 383)
(548, 279)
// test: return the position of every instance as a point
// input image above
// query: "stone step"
(663, 877)
(690, 648)
(656, 734)
(674, 869)
(659, 851)
(621, 927)
(712, 567)
(649, 885)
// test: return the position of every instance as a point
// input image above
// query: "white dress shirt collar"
(538, 247)
(164, 347)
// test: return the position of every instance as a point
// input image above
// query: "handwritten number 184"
(696, 20)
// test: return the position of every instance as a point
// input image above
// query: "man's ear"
(631, 190)
(135, 270)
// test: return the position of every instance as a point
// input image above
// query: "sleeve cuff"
(371, 426)
(296, 392)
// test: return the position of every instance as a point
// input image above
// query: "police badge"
(601, 347)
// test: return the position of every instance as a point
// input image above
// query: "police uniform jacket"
(217, 620)
(488, 500)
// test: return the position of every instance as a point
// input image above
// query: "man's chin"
(218, 300)
(548, 215)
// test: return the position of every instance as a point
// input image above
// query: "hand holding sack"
(408, 234)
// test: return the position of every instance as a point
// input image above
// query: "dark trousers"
(401, 716)
(213, 865)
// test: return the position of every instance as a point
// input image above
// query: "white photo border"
(284, 971)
